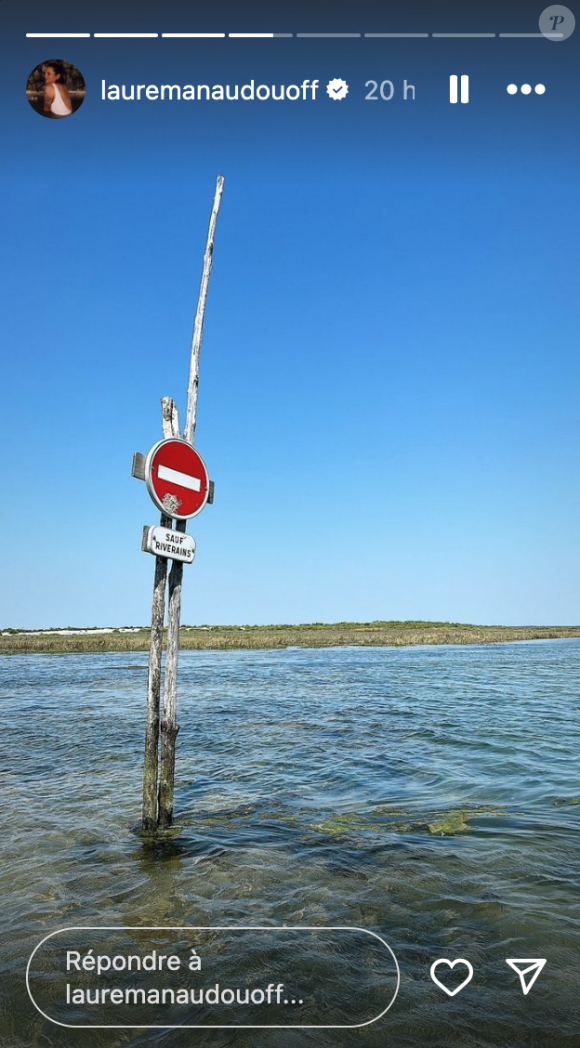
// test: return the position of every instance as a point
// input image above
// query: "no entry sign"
(176, 478)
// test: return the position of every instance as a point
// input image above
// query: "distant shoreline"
(71, 641)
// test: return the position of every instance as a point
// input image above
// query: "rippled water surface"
(428, 794)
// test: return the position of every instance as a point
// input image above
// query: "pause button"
(464, 89)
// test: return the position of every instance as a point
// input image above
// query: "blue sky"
(388, 391)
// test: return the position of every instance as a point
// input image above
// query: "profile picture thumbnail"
(55, 89)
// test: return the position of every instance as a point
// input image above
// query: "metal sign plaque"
(174, 545)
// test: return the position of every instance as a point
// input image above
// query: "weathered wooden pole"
(150, 764)
(169, 726)
(151, 761)
(190, 418)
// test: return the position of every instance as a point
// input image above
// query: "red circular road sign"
(177, 478)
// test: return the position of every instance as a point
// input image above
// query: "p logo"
(557, 23)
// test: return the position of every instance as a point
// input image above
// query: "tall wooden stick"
(190, 420)
(170, 423)
(169, 726)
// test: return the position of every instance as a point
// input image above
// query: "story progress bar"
(299, 36)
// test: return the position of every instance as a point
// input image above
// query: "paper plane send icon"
(528, 969)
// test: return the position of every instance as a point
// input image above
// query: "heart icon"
(452, 964)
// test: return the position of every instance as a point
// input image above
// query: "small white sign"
(162, 542)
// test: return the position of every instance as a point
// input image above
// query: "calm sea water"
(428, 794)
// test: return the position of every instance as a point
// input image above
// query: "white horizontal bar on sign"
(125, 35)
(58, 36)
(245, 36)
(199, 36)
(174, 476)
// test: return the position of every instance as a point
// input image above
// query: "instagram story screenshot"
(290, 603)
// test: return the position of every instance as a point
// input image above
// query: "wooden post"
(151, 761)
(190, 418)
(170, 418)
(169, 726)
